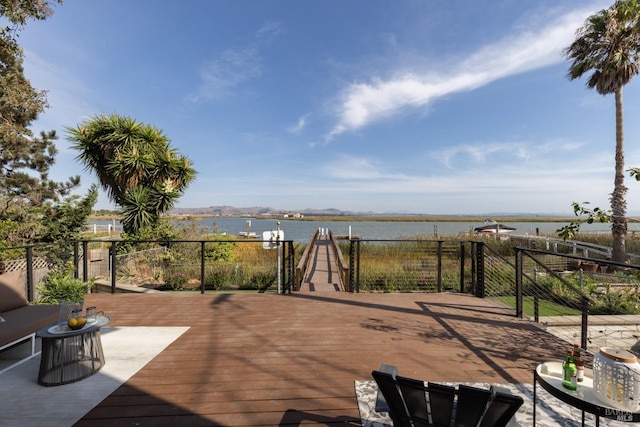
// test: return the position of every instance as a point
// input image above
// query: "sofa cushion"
(12, 291)
(26, 320)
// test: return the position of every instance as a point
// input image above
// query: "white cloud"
(352, 168)
(225, 73)
(234, 67)
(269, 31)
(300, 124)
(364, 103)
(482, 153)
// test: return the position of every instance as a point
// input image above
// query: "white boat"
(492, 227)
(248, 235)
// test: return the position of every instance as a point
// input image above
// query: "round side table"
(549, 376)
(67, 355)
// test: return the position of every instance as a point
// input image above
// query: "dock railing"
(301, 268)
(343, 267)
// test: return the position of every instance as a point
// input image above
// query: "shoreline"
(364, 218)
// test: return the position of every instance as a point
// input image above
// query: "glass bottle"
(576, 352)
(569, 372)
(579, 363)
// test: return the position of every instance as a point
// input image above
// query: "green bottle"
(569, 372)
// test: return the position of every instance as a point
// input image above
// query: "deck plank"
(268, 359)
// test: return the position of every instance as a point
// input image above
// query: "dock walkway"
(322, 272)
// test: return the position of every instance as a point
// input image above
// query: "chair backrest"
(472, 404)
(414, 404)
(503, 407)
(389, 388)
(441, 404)
(415, 395)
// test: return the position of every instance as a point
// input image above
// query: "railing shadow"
(293, 417)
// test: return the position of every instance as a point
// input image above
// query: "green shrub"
(615, 301)
(240, 275)
(176, 280)
(217, 279)
(220, 251)
(61, 286)
(262, 280)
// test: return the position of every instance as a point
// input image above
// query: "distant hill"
(268, 211)
(259, 210)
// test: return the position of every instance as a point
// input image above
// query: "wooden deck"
(322, 272)
(287, 360)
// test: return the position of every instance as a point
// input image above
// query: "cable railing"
(170, 265)
(550, 285)
(536, 283)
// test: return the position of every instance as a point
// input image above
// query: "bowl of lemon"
(75, 323)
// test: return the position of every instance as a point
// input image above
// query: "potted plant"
(61, 286)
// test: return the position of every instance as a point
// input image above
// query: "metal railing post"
(585, 322)
(480, 289)
(113, 267)
(352, 270)
(292, 266)
(462, 248)
(202, 258)
(85, 261)
(519, 283)
(474, 269)
(440, 266)
(358, 266)
(289, 262)
(76, 250)
(31, 291)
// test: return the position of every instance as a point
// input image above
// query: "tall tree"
(135, 165)
(607, 46)
(26, 191)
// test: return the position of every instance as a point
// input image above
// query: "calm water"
(300, 231)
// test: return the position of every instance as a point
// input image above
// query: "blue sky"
(399, 106)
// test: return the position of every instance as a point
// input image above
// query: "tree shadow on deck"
(488, 331)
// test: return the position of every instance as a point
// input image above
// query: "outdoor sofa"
(20, 320)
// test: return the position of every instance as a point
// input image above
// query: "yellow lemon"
(81, 321)
(72, 323)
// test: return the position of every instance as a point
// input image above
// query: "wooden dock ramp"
(324, 266)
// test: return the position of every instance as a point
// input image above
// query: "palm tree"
(135, 166)
(607, 46)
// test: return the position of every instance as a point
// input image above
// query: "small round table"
(68, 355)
(549, 375)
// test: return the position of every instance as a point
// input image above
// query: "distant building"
(295, 215)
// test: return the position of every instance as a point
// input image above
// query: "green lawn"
(545, 308)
